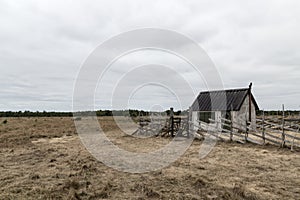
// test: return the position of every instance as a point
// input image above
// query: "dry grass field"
(43, 158)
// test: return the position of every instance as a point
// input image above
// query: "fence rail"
(265, 130)
(262, 132)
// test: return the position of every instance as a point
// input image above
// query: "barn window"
(205, 116)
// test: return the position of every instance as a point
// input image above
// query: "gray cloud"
(43, 44)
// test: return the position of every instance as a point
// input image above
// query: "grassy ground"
(43, 158)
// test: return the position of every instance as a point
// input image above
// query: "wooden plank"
(238, 135)
(292, 144)
(225, 130)
(291, 136)
(198, 136)
(251, 133)
(216, 135)
(268, 126)
(238, 140)
(260, 126)
(253, 141)
(272, 130)
(273, 141)
(298, 126)
(273, 124)
(239, 129)
(228, 125)
(199, 126)
(208, 124)
(293, 120)
(275, 137)
(295, 145)
(226, 120)
(290, 129)
(276, 126)
(199, 133)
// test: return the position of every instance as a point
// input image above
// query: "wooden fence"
(264, 131)
(164, 127)
(282, 131)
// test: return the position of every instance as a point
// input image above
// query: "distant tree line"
(130, 112)
(279, 112)
(34, 114)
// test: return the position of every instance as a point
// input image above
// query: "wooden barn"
(237, 105)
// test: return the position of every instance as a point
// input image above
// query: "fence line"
(263, 132)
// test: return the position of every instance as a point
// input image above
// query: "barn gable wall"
(241, 116)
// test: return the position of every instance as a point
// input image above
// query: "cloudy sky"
(44, 44)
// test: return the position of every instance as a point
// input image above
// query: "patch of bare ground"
(43, 158)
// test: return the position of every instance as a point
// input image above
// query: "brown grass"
(43, 158)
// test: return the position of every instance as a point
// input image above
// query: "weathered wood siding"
(240, 117)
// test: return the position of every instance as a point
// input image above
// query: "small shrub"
(5, 121)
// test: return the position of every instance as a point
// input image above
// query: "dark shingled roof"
(222, 100)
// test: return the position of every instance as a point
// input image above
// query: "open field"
(43, 158)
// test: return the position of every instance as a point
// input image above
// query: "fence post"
(292, 146)
(217, 125)
(172, 121)
(246, 133)
(231, 131)
(189, 117)
(283, 135)
(263, 127)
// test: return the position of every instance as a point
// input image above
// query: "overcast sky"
(44, 43)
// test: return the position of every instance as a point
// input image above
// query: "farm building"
(237, 105)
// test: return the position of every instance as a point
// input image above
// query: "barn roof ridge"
(225, 90)
(234, 100)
